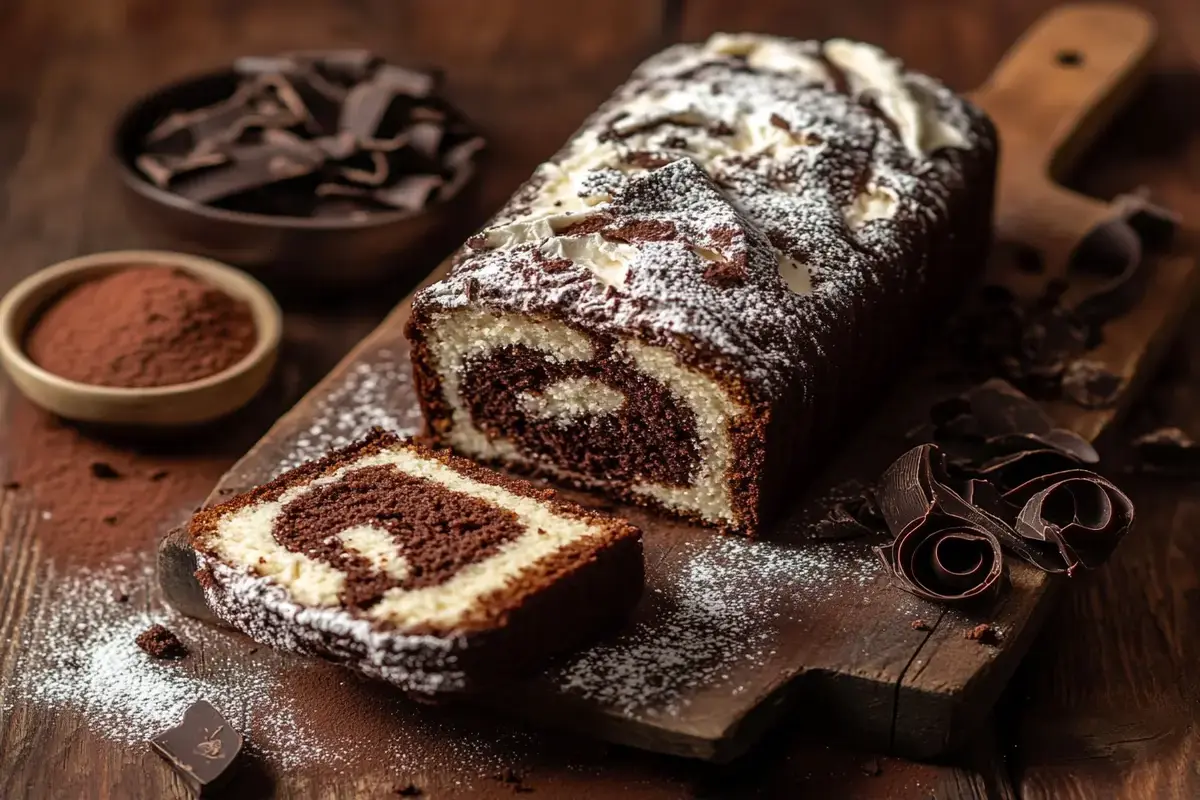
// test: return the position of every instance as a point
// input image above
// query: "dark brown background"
(1107, 704)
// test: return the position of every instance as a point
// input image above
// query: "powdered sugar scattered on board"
(366, 398)
(722, 608)
(79, 655)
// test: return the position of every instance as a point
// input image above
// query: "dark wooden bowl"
(280, 250)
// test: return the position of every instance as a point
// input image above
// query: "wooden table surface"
(1108, 703)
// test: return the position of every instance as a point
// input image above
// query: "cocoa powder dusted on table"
(140, 327)
(94, 498)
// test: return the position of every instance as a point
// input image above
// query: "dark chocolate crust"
(803, 365)
(574, 595)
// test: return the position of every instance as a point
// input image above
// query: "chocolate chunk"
(1013, 469)
(851, 512)
(376, 174)
(160, 642)
(202, 128)
(1090, 384)
(203, 748)
(1168, 450)
(460, 160)
(408, 790)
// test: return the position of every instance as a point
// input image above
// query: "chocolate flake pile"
(326, 134)
(1041, 347)
(995, 475)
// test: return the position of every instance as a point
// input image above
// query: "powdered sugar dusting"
(79, 655)
(722, 609)
(707, 152)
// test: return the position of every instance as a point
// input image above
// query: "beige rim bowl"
(160, 406)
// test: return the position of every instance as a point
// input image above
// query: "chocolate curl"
(945, 549)
(1114, 249)
(939, 558)
(1074, 516)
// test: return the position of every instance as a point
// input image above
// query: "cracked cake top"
(729, 200)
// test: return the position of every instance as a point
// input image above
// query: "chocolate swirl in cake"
(384, 529)
(414, 566)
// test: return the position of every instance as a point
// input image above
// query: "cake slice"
(415, 566)
(688, 305)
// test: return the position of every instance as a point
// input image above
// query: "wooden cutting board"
(733, 635)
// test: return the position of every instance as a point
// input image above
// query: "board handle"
(1065, 79)
(1050, 96)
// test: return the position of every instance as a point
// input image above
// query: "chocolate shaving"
(300, 123)
(1114, 250)
(996, 419)
(851, 512)
(411, 193)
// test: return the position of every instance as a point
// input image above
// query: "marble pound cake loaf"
(416, 567)
(692, 300)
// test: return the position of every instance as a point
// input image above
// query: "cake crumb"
(984, 634)
(921, 625)
(160, 642)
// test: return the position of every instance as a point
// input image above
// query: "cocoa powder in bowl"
(141, 327)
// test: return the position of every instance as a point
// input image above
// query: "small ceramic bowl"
(160, 406)
(280, 250)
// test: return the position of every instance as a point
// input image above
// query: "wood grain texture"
(1109, 679)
